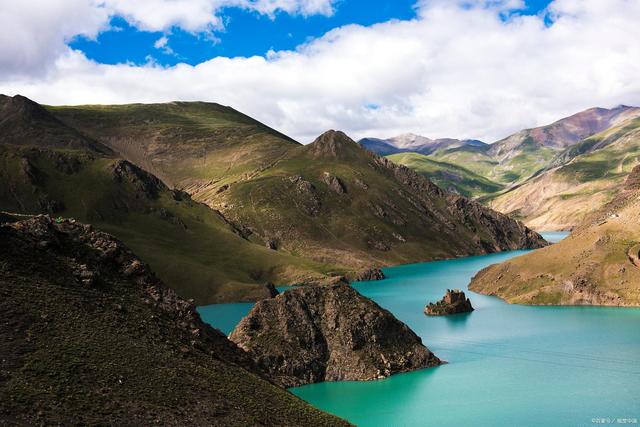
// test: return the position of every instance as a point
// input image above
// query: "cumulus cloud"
(473, 69)
(34, 33)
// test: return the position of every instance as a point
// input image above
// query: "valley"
(549, 177)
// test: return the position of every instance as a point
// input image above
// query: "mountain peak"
(332, 143)
(23, 121)
(21, 107)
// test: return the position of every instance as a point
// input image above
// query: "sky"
(441, 68)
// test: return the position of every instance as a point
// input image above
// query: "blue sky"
(246, 33)
(479, 69)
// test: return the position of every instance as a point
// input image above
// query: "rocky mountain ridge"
(244, 170)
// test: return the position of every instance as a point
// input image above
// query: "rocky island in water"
(454, 302)
(311, 334)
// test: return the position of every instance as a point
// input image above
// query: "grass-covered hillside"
(450, 176)
(219, 204)
(343, 208)
(192, 247)
(592, 173)
(598, 264)
(193, 145)
(549, 177)
(91, 337)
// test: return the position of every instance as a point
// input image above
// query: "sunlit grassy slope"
(450, 176)
(562, 196)
(598, 264)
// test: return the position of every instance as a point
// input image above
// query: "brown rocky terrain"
(328, 333)
(595, 265)
(90, 336)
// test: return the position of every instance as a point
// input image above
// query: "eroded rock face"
(334, 183)
(370, 274)
(328, 333)
(454, 302)
(271, 289)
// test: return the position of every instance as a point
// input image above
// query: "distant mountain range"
(550, 176)
(410, 142)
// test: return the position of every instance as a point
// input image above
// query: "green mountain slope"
(192, 247)
(449, 176)
(91, 337)
(189, 145)
(598, 264)
(562, 196)
(340, 207)
(522, 156)
(275, 210)
(334, 201)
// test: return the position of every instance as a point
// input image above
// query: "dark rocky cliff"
(328, 333)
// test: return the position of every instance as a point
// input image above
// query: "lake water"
(508, 365)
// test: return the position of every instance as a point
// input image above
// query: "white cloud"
(162, 44)
(453, 71)
(34, 33)
(202, 15)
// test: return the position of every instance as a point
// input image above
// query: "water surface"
(509, 365)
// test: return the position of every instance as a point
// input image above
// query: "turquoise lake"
(508, 365)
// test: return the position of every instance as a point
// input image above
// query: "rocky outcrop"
(334, 183)
(97, 330)
(271, 289)
(143, 182)
(369, 275)
(454, 302)
(328, 333)
(632, 183)
(305, 195)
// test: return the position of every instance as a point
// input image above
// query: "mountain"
(449, 176)
(312, 334)
(598, 264)
(485, 172)
(55, 169)
(219, 204)
(410, 142)
(588, 175)
(330, 202)
(564, 132)
(90, 336)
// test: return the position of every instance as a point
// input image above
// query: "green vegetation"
(183, 143)
(219, 203)
(562, 196)
(474, 172)
(596, 265)
(448, 176)
(190, 246)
